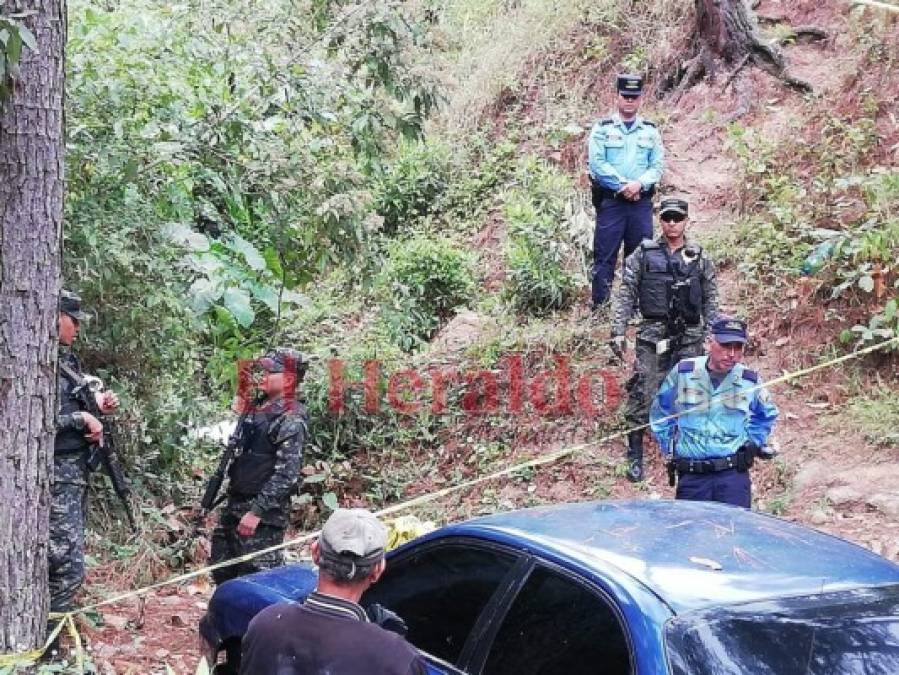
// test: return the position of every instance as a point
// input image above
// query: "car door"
(556, 623)
(443, 590)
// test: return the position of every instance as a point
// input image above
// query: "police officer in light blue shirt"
(712, 417)
(626, 159)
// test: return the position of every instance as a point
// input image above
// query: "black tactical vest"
(671, 284)
(69, 441)
(256, 462)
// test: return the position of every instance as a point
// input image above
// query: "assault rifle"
(214, 486)
(104, 453)
(677, 325)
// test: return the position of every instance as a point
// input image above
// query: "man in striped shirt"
(330, 633)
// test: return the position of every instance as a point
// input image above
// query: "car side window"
(556, 626)
(440, 592)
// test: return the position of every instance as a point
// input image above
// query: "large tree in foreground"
(31, 208)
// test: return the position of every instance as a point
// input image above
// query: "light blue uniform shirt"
(617, 155)
(713, 422)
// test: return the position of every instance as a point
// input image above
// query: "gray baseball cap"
(354, 531)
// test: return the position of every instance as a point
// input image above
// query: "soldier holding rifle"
(262, 463)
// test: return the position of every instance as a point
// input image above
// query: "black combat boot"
(635, 456)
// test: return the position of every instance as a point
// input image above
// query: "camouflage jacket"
(69, 420)
(627, 300)
(285, 428)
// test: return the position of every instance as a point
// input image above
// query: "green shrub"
(541, 257)
(413, 187)
(423, 281)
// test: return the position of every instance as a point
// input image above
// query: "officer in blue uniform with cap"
(712, 417)
(626, 159)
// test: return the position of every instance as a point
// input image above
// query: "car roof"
(673, 548)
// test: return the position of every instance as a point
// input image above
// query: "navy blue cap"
(729, 330)
(630, 85)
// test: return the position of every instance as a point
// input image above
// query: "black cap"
(70, 303)
(284, 358)
(630, 85)
(673, 205)
(729, 330)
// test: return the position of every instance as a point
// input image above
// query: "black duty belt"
(714, 465)
(600, 193)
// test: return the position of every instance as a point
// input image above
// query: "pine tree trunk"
(729, 32)
(727, 27)
(31, 210)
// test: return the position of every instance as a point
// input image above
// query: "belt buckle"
(690, 467)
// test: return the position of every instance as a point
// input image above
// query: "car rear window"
(848, 632)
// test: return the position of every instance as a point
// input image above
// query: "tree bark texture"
(31, 211)
(727, 27)
(729, 31)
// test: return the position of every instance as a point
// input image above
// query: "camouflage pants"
(227, 543)
(68, 509)
(649, 371)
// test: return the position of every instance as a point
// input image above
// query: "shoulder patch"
(686, 366)
(750, 375)
(606, 120)
(649, 243)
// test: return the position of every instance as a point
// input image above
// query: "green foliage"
(423, 281)
(414, 185)
(854, 199)
(218, 163)
(540, 256)
(14, 37)
(877, 415)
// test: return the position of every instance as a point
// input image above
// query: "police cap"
(728, 330)
(673, 205)
(70, 303)
(630, 85)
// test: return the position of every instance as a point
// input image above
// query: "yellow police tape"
(402, 529)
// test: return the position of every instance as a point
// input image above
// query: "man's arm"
(70, 422)
(290, 435)
(762, 415)
(600, 170)
(653, 174)
(625, 302)
(663, 407)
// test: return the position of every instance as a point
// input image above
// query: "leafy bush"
(423, 281)
(845, 208)
(541, 255)
(413, 186)
(214, 163)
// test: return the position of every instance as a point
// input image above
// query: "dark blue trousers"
(616, 221)
(729, 487)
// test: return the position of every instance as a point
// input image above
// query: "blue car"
(645, 587)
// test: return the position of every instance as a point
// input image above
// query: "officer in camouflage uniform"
(76, 430)
(671, 281)
(264, 474)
